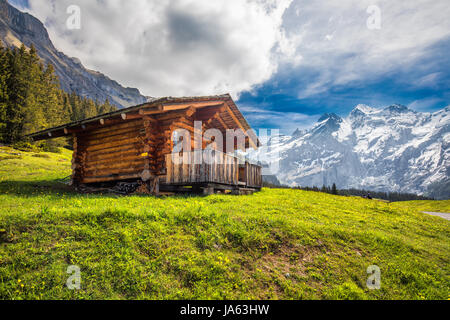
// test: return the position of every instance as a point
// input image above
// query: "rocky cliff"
(17, 28)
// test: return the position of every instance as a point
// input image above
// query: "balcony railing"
(211, 166)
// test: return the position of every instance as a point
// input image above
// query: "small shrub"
(41, 155)
(51, 146)
(25, 147)
(10, 157)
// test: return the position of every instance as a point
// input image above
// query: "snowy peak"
(327, 124)
(363, 109)
(298, 133)
(397, 108)
(331, 117)
(361, 112)
(388, 149)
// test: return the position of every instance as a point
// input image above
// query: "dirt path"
(440, 214)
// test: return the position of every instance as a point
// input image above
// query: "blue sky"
(423, 85)
(286, 62)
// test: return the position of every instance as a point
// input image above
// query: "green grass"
(427, 206)
(276, 244)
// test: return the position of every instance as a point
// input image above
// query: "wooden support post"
(208, 190)
(75, 178)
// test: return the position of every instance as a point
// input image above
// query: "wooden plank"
(112, 133)
(74, 179)
(169, 166)
(119, 155)
(110, 178)
(225, 170)
(115, 127)
(128, 170)
(222, 122)
(176, 168)
(202, 169)
(112, 152)
(175, 106)
(116, 164)
(115, 144)
(185, 167)
(143, 112)
(187, 112)
(104, 141)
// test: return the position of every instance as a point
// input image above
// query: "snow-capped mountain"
(391, 149)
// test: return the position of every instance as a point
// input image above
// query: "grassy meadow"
(276, 244)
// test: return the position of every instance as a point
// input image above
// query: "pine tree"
(52, 99)
(37, 95)
(106, 108)
(4, 74)
(17, 92)
(31, 98)
(334, 189)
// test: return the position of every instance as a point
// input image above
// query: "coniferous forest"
(31, 99)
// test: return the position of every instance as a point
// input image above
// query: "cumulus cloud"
(174, 47)
(333, 39)
(304, 50)
(286, 122)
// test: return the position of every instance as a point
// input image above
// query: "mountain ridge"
(390, 149)
(17, 28)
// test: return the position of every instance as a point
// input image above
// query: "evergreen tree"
(35, 101)
(4, 74)
(334, 189)
(31, 99)
(106, 108)
(52, 99)
(17, 95)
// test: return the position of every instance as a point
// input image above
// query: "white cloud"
(286, 122)
(176, 47)
(190, 47)
(332, 37)
(424, 105)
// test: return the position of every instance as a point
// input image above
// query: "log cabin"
(137, 144)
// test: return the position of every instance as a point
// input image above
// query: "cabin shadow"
(58, 189)
(37, 187)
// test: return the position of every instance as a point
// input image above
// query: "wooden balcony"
(211, 167)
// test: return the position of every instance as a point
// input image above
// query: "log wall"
(112, 153)
(141, 148)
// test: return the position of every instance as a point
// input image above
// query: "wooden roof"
(215, 111)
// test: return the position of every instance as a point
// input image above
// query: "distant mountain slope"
(394, 149)
(17, 27)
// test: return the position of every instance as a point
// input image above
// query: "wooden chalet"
(135, 144)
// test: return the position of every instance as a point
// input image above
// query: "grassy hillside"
(277, 244)
(428, 206)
